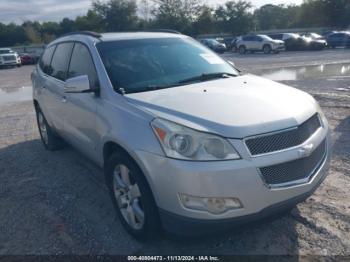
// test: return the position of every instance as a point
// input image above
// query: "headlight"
(185, 143)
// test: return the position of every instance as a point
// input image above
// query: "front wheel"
(242, 49)
(132, 197)
(267, 49)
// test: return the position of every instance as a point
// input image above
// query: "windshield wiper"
(205, 77)
(202, 77)
(144, 89)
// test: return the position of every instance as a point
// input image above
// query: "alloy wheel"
(128, 197)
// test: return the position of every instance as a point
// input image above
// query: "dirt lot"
(57, 203)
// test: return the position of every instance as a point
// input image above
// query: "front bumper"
(9, 63)
(279, 48)
(238, 179)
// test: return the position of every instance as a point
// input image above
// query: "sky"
(55, 10)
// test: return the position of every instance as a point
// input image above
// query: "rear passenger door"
(40, 82)
(54, 86)
(80, 108)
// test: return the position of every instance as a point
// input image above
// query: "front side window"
(82, 64)
(60, 60)
(148, 64)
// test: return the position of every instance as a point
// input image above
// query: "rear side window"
(278, 36)
(248, 38)
(60, 60)
(46, 60)
(82, 64)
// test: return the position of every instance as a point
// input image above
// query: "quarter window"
(46, 60)
(82, 64)
(60, 60)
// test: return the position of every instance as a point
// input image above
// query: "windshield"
(265, 37)
(149, 64)
(213, 41)
(5, 51)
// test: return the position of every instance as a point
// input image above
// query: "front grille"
(284, 139)
(296, 169)
(9, 58)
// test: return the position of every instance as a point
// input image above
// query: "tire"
(50, 141)
(242, 50)
(19, 65)
(132, 197)
(267, 49)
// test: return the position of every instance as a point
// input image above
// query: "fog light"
(214, 205)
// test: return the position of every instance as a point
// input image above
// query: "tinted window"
(257, 38)
(46, 60)
(82, 64)
(60, 60)
(279, 36)
(149, 64)
(336, 35)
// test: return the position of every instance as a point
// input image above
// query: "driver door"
(80, 108)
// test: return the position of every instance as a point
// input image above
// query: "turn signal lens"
(214, 205)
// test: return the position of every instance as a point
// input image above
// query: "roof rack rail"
(88, 33)
(163, 31)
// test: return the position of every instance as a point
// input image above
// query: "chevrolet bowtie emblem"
(306, 150)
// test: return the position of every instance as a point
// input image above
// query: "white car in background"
(9, 58)
(258, 43)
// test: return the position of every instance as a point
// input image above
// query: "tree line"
(192, 17)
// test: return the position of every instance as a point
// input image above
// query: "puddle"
(15, 94)
(306, 72)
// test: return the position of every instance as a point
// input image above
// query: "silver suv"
(259, 43)
(186, 141)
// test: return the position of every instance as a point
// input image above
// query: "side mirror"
(79, 84)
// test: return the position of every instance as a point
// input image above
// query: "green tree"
(117, 15)
(325, 13)
(235, 17)
(92, 21)
(276, 16)
(205, 23)
(176, 14)
(12, 34)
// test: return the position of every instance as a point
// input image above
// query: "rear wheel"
(132, 197)
(50, 140)
(267, 49)
(242, 49)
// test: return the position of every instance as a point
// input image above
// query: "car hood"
(235, 107)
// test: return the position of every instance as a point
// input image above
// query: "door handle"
(64, 99)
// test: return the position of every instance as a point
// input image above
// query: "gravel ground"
(57, 203)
